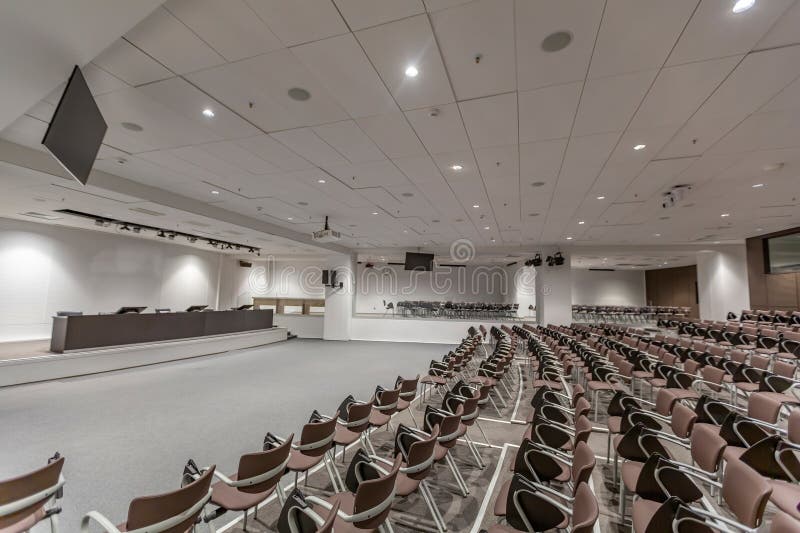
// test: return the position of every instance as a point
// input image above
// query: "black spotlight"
(161, 234)
(124, 227)
(558, 259)
(172, 236)
(251, 250)
(529, 262)
(550, 261)
(137, 229)
(191, 238)
(537, 260)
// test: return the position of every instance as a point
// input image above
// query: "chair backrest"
(386, 401)
(255, 464)
(746, 492)
(149, 510)
(707, 447)
(738, 356)
(584, 509)
(794, 426)
(582, 407)
(420, 453)
(408, 388)
(583, 428)
(317, 437)
(20, 487)
(783, 523)
(583, 463)
(448, 427)
(359, 412)
(759, 361)
(682, 421)
(374, 494)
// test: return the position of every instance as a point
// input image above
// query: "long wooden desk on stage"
(97, 331)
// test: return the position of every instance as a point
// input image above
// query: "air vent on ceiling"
(147, 211)
(633, 264)
(44, 216)
(602, 269)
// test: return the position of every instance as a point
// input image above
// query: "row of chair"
(465, 388)
(768, 316)
(455, 310)
(740, 453)
(626, 313)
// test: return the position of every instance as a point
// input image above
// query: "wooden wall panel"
(673, 287)
(770, 291)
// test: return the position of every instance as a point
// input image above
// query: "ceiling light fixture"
(214, 192)
(456, 167)
(208, 113)
(486, 227)
(581, 222)
(569, 238)
(374, 212)
(743, 5)
(320, 181)
(640, 147)
(757, 185)
(290, 218)
(476, 206)
(656, 235)
(411, 71)
(723, 215)
(601, 197)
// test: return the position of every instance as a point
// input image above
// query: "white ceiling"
(713, 95)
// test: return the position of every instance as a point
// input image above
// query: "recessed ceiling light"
(407, 194)
(214, 192)
(411, 71)
(759, 229)
(556, 41)
(405, 231)
(492, 239)
(716, 242)
(601, 197)
(320, 181)
(569, 238)
(302, 203)
(772, 167)
(374, 212)
(486, 227)
(656, 235)
(299, 94)
(757, 185)
(456, 167)
(723, 215)
(290, 218)
(537, 184)
(208, 113)
(581, 222)
(743, 5)
(640, 147)
(533, 214)
(476, 206)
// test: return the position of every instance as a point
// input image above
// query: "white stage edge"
(79, 363)
(432, 330)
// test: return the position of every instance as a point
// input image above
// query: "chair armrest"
(101, 520)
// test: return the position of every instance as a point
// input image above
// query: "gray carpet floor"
(128, 433)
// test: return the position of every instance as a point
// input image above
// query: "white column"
(554, 291)
(722, 281)
(339, 301)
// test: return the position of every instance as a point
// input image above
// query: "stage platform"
(32, 361)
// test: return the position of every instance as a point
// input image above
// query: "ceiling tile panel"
(440, 132)
(394, 47)
(130, 64)
(491, 121)
(393, 135)
(308, 145)
(607, 104)
(477, 42)
(361, 14)
(171, 43)
(300, 21)
(348, 139)
(548, 113)
(274, 152)
(535, 20)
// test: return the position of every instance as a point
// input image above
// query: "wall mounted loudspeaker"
(245, 264)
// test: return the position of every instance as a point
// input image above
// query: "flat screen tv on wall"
(77, 128)
(415, 261)
(782, 253)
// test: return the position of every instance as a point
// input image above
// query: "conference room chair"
(351, 424)
(408, 392)
(170, 512)
(30, 498)
(743, 490)
(449, 432)
(416, 451)
(384, 406)
(368, 507)
(297, 515)
(533, 507)
(257, 477)
(316, 442)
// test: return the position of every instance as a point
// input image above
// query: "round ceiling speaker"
(299, 94)
(556, 41)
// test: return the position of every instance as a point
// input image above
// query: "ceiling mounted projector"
(326, 234)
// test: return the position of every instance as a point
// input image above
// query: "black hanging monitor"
(194, 308)
(77, 129)
(244, 307)
(416, 261)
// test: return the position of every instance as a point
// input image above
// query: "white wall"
(722, 284)
(45, 269)
(620, 287)
(269, 278)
